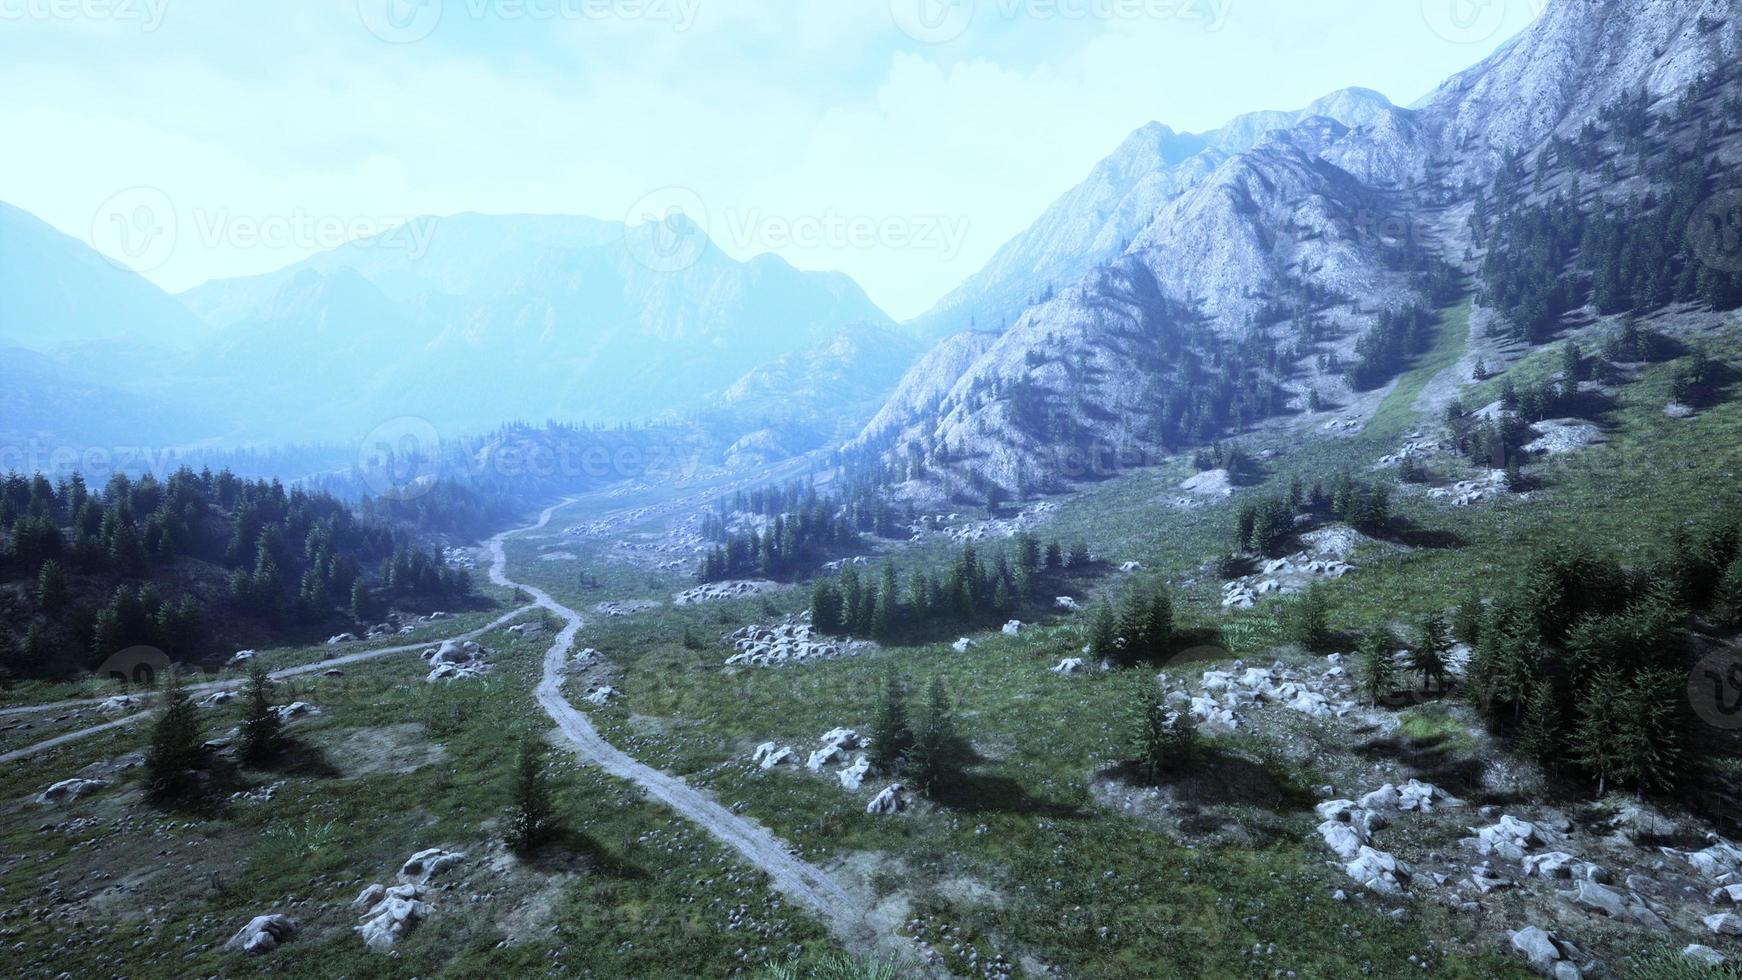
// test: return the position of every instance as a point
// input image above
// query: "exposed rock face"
(426, 864)
(119, 704)
(395, 912)
(264, 933)
(1547, 953)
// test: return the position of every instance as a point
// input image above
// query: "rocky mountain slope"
(1095, 221)
(1293, 246)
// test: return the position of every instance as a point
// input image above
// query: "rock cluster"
(388, 913)
(1319, 694)
(457, 661)
(890, 800)
(715, 591)
(789, 642)
(1349, 826)
(1547, 953)
(264, 933)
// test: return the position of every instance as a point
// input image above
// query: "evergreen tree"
(1428, 656)
(175, 745)
(1467, 625)
(1377, 671)
(825, 608)
(1308, 619)
(1104, 634)
(1540, 737)
(532, 820)
(891, 737)
(1648, 745)
(262, 730)
(1166, 740)
(1727, 603)
(51, 587)
(936, 756)
(1596, 738)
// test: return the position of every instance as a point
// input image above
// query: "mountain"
(55, 290)
(1095, 221)
(475, 320)
(1320, 244)
(48, 406)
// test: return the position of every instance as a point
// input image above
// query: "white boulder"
(426, 864)
(264, 933)
(890, 800)
(68, 790)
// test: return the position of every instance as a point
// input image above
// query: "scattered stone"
(768, 755)
(854, 775)
(240, 658)
(1068, 604)
(426, 864)
(1510, 838)
(294, 710)
(602, 695)
(118, 705)
(1131, 566)
(963, 645)
(890, 800)
(1547, 953)
(216, 699)
(1724, 924)
(1013, 628)
(68, 790)
(1705, 955)
(715, 591)
(341, 639)
(398, 911)
(1379, 871)
(1601, 899)
(1070, 665)
(264, 933)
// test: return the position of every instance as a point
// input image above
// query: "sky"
(898, 141)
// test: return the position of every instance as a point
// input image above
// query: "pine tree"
(1648, 746)
(262, 730)
(1378, 670)
(1595, 744)
(51, 587)
(935, 758)
(1540, 735)
(1428, 656)
(1727, 603)
(1467, 624)
(175, 745)
(825, 608)
(891, 737)
(1309, 619)
(1166, 740)
(1104, 634)
(532, 820)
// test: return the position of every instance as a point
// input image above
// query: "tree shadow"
(570, 850)
(1436, 760)
(299, 758)
(1219, 777)
(975, 792)
(1402, 530)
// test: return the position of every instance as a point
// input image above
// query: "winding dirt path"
(209, 687)
(798, 880)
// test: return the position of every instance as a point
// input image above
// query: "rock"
(1724, 924)
(216, 699)
(890, 800)
(1067, 603)
(823, 756)
(1601, 899)
(1676, 410)
(426, 864)
(1345, 839)
(1379, 871)
(264, 933)
(294, 710)
(68, 790)
(1715, 862)
(1510, 838)
(1013, 628)
(118, 705)
(602, 695)
(399, 911)
(1131, 566)
(457, 672)
(1385, 798)
(1423, 797)
(1705, 955)
(768, 755)
(854, 775)
(1070, 665)
(240, 658)
(341, 638)
(843, 738)
(963, 645)
(1546, 952)
(369, 896)
(1727, 895)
